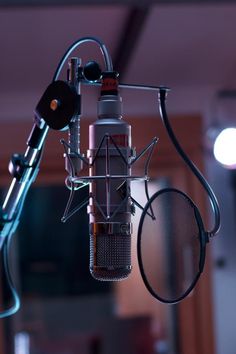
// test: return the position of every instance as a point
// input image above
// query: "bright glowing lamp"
(225, 148)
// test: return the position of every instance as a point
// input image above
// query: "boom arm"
(24, 169)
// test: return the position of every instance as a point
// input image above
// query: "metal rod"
(108, 181)
(154, 141)
(88, 178)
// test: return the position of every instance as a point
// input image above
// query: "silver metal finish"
(110, 157)
(110, 106)
(91, 178)
(106, 162)
(109, 205)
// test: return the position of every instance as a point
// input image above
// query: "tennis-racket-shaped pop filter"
(171, 245)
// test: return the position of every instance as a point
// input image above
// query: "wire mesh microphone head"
(110, 251)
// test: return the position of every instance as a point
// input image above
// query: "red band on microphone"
(109, 84)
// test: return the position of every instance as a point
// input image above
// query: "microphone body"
(109, 206)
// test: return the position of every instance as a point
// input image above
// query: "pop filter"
(171, 245)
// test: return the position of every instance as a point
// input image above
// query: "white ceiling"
(191, 48)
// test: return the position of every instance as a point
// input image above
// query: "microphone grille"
(110, 256)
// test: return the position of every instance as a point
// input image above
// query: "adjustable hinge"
(17, 166)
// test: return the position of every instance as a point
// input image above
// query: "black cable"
(107, 59)
(191, 165)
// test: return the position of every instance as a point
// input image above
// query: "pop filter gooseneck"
(175, 238)
(190, 164)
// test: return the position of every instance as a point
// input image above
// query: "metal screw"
(54, 104)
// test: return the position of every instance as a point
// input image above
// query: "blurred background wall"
(186, 45)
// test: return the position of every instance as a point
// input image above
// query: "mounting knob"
(59, 103)
(92, 71)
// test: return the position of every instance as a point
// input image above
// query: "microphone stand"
(24, 169)
(59, 103)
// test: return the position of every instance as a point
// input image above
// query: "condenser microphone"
(109, 206)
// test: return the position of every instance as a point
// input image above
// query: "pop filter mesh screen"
(170, 244)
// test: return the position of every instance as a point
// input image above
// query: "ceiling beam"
(32, 3)
(129, 38)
